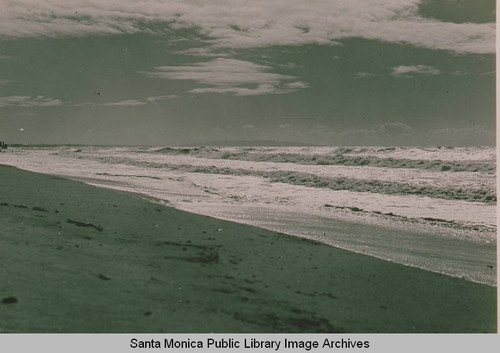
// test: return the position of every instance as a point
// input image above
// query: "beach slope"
(77, 258)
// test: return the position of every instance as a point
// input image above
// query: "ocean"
(433, 208)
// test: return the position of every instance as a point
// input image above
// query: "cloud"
(204, 52)
(241, 91)
(156, 99)
(296, 85)
(248, 24)
(131, 102)
(220, 72)
(28, 101)
(128, 102)
(230, 76)
(404, 71)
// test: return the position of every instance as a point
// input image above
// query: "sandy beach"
(78, 258)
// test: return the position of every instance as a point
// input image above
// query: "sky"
(290, 72)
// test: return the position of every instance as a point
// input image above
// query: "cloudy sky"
(171, 72)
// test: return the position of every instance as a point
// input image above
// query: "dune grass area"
(77, 258)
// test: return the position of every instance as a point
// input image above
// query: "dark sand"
(76, 258)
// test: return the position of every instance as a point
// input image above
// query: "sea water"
(432, 208)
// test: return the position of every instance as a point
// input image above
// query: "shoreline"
(456, 238)
(87, 259)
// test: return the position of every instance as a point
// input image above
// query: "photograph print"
(277, 166)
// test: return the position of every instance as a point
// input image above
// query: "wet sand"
(77, 258)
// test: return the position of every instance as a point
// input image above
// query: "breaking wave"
(478, 194)
(338, 156)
